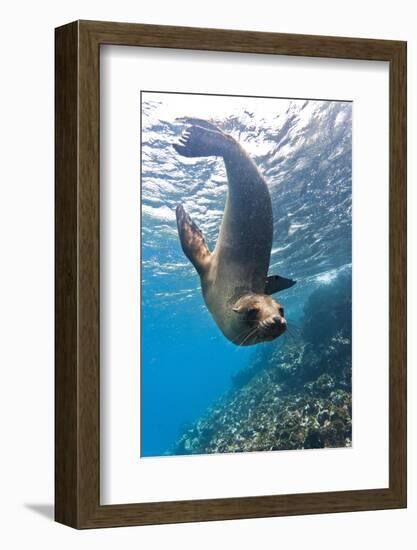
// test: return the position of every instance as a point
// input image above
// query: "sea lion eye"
(252, 312)
(281, 311)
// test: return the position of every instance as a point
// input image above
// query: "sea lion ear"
(275, 283)
(240, 306)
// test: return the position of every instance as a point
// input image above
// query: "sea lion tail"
(202, 139)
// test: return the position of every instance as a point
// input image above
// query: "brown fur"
(233, 276)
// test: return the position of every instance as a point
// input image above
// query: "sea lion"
(234, 280)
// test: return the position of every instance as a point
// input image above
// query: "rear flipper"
(192, 121)
(275, 283)
(192, 241)
(202, 139)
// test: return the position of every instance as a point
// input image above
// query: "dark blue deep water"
(303, 148)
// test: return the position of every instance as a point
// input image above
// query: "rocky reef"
(294, 395)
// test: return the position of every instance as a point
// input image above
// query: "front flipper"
(275, 283)
(192, 241)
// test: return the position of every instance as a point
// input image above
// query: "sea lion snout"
(279, 321)
(275, 326)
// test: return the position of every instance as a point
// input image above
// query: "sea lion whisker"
(247, 337)
(292, 327)
(289, 337)
(237, 339)
(292, 334)
(290, 330)
(239, 336)
(289, 334)
(251, 333)
(293, 324)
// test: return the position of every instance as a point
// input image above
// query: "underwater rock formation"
(293, 396)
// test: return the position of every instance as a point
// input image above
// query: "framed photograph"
(230, 274)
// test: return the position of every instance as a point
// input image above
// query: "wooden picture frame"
(77, 382)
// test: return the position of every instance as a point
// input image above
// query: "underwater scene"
(246, 283)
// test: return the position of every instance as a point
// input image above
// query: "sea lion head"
(258, 318)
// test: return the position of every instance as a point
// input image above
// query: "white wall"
(26, 290)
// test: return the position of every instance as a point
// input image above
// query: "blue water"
(303, 148)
